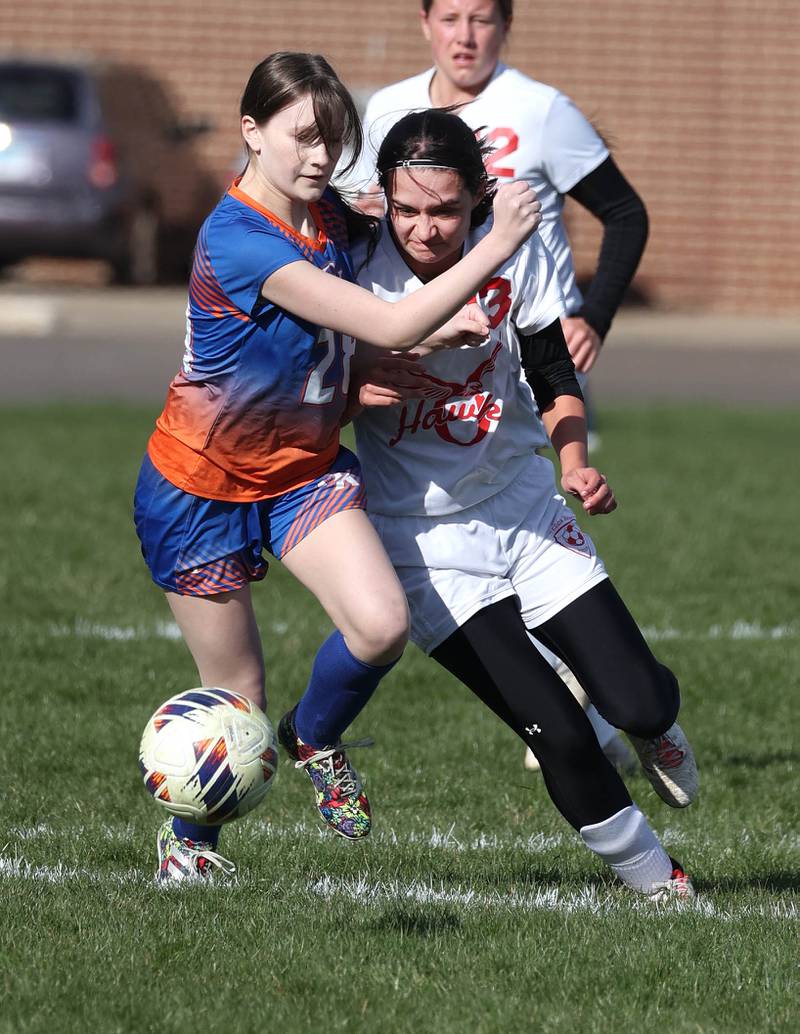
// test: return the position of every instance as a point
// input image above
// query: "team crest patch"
(567, 533)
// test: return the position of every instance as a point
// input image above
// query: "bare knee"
(379, 637)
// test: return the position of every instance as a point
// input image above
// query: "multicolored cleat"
(668, 762)
(341, 800)
(677, 887)
(187, 861)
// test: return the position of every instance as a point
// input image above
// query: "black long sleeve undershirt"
(547, 364)
(607, 195)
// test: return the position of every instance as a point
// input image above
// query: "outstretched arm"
(327, 301)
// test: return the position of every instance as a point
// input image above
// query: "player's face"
(430, 211)
(297, 167)
(466, 37)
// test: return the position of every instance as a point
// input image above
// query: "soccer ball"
(208, 756)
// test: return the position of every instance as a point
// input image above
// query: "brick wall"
(700, 98)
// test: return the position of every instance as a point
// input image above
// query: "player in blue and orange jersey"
(246, 454)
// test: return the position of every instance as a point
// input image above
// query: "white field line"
(18, 868)
(258, 830)
(364, 892)
(82, 629)
(737, 631)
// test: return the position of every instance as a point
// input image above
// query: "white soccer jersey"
(538, 134)
(477, 427)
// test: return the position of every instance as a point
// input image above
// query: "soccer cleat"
(677, 887)
(616, 750)
(669, 764)
(341, 800)
(187, 861)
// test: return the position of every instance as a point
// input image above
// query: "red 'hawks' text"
(467, 401)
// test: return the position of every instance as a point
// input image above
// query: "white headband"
(421, 163)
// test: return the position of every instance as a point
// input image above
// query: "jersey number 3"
(332, 371)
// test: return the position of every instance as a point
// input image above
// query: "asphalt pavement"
(74, 343)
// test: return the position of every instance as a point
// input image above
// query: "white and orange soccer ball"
(208, 756)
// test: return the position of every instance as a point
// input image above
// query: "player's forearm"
(448, 292)
(564, 421)
(516, 214)
(550, 372)
(623, 243)
(609, 197)
(327, 301)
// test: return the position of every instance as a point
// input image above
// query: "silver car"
(95, 163)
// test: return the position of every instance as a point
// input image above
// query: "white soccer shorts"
(518, 542)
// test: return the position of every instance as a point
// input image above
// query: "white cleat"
(187, 861)
(668, 762)
(677, 888)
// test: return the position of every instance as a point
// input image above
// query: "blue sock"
(339, 687)
(191, 831)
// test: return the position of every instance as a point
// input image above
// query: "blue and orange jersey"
(255, 409)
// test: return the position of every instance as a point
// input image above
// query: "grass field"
(473, 907)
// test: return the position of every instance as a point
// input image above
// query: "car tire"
(139, 262)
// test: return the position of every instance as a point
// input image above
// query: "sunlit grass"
(473, 908)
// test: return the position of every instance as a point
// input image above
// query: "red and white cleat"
(677, 888)
(668, 762)
(182, 861)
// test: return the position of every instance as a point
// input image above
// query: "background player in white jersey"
(485, 548)
(539, 135)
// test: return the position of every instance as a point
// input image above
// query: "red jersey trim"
(322, 238)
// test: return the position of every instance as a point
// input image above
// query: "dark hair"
(443, 138)
(286, 76)
(282, 79)
(505, 7)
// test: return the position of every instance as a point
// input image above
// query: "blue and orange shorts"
(200, 547)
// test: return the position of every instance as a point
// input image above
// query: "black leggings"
(600, 642)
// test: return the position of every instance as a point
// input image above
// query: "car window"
(37, 94)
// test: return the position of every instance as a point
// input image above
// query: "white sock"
(603, 730)
(627, 843)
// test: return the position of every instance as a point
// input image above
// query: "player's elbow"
(394, 333)
(639, 221)
(628, 214)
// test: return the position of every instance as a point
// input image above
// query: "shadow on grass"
(774, 882)
(500, 874)
(409, 922)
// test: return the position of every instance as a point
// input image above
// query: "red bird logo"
(443, 391)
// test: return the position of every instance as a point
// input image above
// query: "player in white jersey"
(539, 135)
(486, 549)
